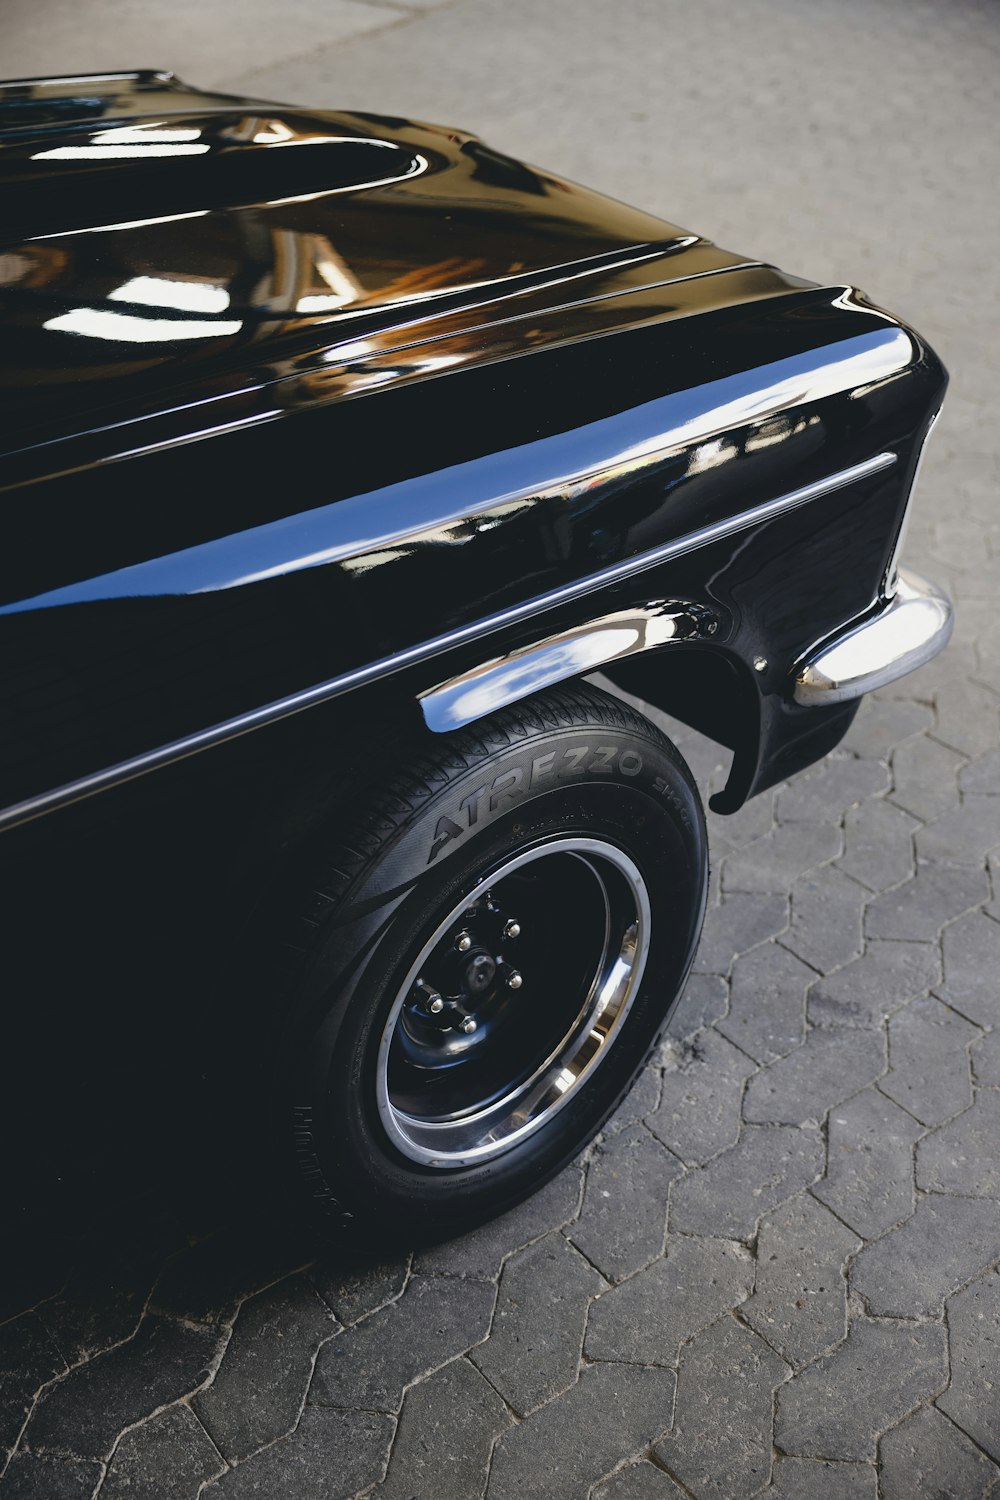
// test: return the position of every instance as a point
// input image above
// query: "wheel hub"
(479, 973)
(464, 982)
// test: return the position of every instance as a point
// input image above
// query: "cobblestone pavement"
(776, 1273)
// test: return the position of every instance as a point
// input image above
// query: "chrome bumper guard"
(913, 626)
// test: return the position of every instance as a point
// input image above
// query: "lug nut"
(512, 929)
(468, 1025)
(429, 996)
(514, 980)
(463, 942)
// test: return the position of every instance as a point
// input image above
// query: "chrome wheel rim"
(512, 1002)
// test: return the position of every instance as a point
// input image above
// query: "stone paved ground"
(777, 1272)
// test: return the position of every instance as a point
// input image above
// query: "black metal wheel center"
(462, 996)
(515, 996)
(479, 974)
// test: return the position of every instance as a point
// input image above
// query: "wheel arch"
(661, 654)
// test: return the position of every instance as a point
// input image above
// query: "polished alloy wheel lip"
(475, 1136)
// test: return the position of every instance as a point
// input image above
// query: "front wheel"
(491, 953)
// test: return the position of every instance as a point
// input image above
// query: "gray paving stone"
(642, 1097)
(823, 792)
(101, 1303)
(965, 835)
(259, 1388)
(911, 1271)
(207, 1283)
(957, 543)
(966, 717)
(87, 1410)
(167, 1458)
(331, 1455)
(701, 1093)
(992, 909)
(838, 1407)
(780, 858)
(929, 1072)
(533, 1351)
(827, 909)
(752, 821)
(818, 1479)
(880, 725)
(719, 848)
(962, 1156)
(481, 1253)
(972, 968)
(645, 1320)
(878, 845)
(946, 671)
(869, 1176)
(559, 1452)
(768, 1164)
(767, 1002)
(982, 776)
(367, 1366)
(800, 1302)
(868, 990)
(925, 777)
(720, 1449)
(985, 1055)
(974, 1331)
(355, 1289)
(705, 999)
(33, 1476)
(641, 1481)
(446, 1432)
(916, 911)
(987, 642)
(825, 1070)
(622, 1224)
(739, 922)
(927, 1455)
(28, 1358)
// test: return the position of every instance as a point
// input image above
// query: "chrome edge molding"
(910, 629)
(569, 653)
(283, 708)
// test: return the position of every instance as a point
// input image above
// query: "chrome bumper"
(914, 625)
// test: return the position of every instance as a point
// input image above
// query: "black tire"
(580, 793)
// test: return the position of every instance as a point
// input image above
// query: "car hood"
(153, 232)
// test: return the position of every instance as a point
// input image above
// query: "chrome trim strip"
(569, 653)
(910, 629)
(283, 708)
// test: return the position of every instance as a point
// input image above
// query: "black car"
(340, 452)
